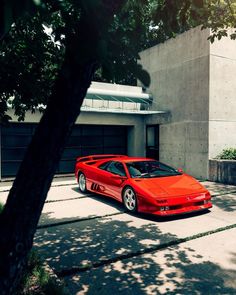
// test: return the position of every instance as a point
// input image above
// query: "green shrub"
(227, 154)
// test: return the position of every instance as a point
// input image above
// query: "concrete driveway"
(98, 248)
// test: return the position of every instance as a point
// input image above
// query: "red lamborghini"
(143, 185)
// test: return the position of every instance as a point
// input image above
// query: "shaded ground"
(98, 248)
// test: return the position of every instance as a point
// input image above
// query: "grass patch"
(38, 281)
(1, 207)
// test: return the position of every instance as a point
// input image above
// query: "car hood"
(170, 186)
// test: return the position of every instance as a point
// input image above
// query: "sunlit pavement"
(98, 248)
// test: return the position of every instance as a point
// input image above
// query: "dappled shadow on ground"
(225, 197)
(219, 188)
(81, 243)
(169, 272)
(174, 270)
(226, 202)
(121, 245)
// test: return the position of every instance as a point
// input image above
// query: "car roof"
(131, 159)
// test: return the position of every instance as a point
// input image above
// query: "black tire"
(129, 199)
(82, 182)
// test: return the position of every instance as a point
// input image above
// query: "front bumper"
(177, 205)
(183, 210)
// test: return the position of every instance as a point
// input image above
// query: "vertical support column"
(136, 144)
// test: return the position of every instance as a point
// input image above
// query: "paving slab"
(66, 189)
(78, 209)
(95, 229)
(105, 238)
(218, 188)
(202, 266)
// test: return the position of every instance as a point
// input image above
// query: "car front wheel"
(82, 183)
(130, 199)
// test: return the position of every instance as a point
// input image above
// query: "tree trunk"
(20, 217)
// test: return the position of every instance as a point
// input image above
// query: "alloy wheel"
(130, 200)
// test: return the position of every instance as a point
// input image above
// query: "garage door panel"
(111, 130)
(84, 140)
(115, 150)
(92, 130)
(114, 141)
(66, 166)
(91, 141)
(76, 131)
(70, 153)
(92, 151)
(16, 140)
(22, 129)
(13, 153)
(10, 168)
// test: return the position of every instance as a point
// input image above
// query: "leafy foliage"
(29, 63)
(108, 33)
(30, 59)
(219, 15)
(227, 154)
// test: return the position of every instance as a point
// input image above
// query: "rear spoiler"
(98, 157)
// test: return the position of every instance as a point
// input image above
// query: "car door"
(117, 178)
(111, 178)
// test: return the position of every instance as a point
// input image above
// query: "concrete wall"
(179, 71)
(222, 112)
(222, 171)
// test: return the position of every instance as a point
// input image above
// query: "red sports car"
(143, 185)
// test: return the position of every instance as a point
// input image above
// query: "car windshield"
(150, 169)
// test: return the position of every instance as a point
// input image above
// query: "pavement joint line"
(78, 269)
(77, 220)
(55, 185)
(87, 196)
(68, 199)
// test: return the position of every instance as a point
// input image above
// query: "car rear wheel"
(82, 183)
(130, 199)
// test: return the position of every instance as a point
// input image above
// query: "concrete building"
(196, 81)
(113, 119)
(186, 117)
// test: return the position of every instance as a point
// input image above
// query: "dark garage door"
(84, 140)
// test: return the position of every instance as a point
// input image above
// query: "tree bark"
(20, 217)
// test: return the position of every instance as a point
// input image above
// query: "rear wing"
(98, 157)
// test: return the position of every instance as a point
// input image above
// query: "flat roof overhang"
(122, 111)
(119, 96)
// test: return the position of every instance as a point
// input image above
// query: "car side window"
(116, 168)
(104, 165)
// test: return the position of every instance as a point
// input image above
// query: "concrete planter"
(222, 171)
